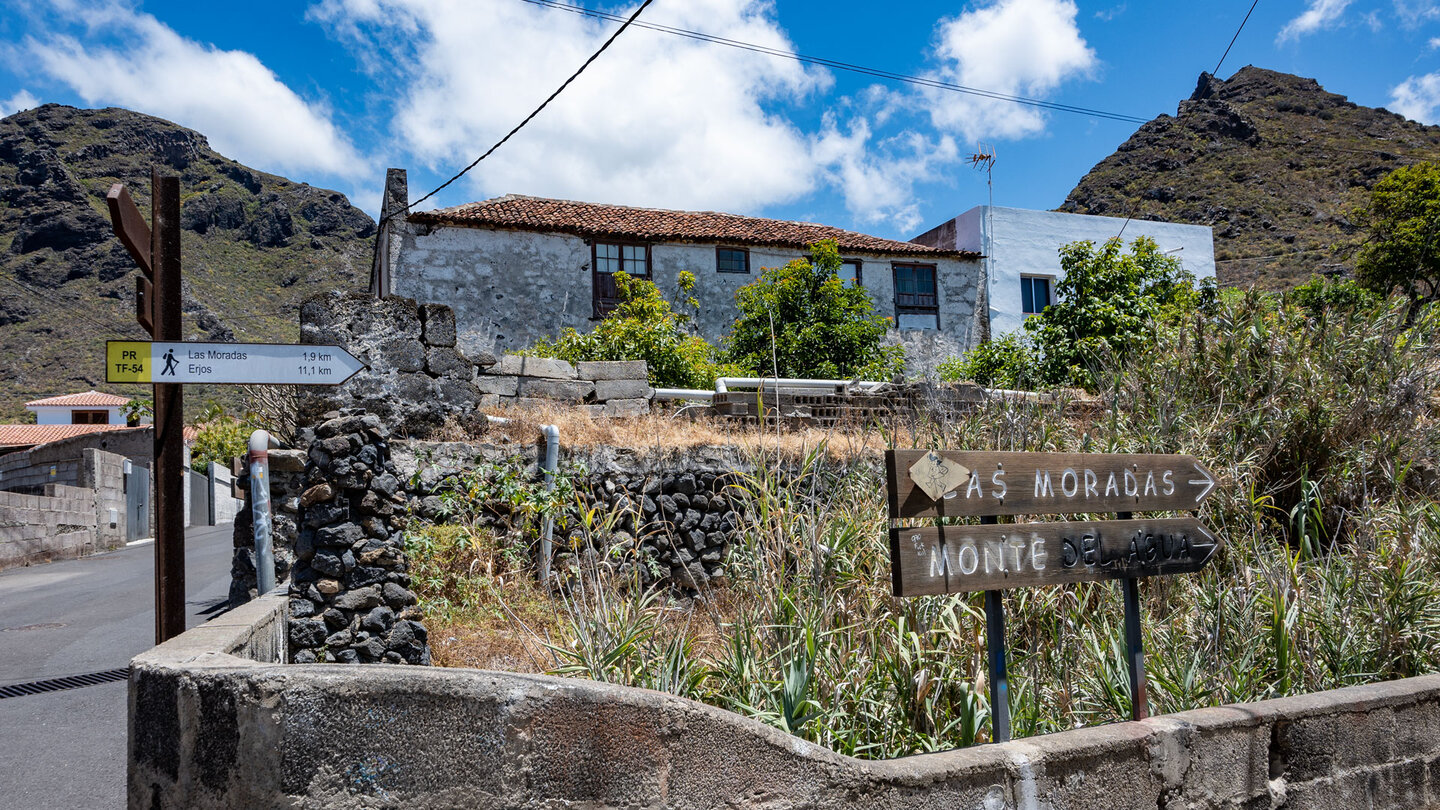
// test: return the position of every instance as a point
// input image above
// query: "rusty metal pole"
(169, 414)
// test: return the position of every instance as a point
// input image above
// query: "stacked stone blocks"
(350, 598)
(603, 388)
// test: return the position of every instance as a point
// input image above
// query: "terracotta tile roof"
(519, 212)
(87, 399)
(29, 435)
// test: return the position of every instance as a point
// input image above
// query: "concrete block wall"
(215, 723)
(40, 528)
(29, 470)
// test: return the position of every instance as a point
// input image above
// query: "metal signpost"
(169, 363)
(992, 557)
(132, 361)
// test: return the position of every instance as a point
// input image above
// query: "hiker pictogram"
(170, 364)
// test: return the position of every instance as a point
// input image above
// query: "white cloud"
(1417, 98)
(1317, 15)
(21, 101)
(229, 96)
(657, 120)
(1416, 13)
(878, 177)
(1108, 14)
(668, 121)
(1015, 47)
(1434, 43)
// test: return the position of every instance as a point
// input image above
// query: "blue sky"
(332, 92)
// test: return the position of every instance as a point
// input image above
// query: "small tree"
(800, 320)
(1104, 303)
(1403, 252)
(643, 327)
(220, 439)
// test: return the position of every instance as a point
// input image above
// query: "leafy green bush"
(1320, 296)
(800, 320)
(1105, 304)
(644, 327)
(219, 440)
(1006, 362)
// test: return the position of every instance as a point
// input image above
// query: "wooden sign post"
(156, 250)
(991, 557)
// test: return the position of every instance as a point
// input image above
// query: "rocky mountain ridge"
(1274, 163)
(253, 245)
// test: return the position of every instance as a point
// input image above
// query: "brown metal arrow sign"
(957, 559)
(924, 483)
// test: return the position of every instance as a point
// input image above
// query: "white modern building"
(89, 408)
(1021, 250)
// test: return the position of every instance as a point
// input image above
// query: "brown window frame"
(744, 251)
(600, 306)
(859, 271)
(89, 417)
(916, 308)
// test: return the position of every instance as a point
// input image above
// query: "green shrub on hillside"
(1319, 297)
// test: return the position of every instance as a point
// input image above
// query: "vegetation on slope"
(1274, 163)
(253, 245)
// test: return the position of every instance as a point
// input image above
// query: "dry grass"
(666, 431)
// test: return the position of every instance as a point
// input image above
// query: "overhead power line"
(626, 24)
(848, 66)
(1216, 72)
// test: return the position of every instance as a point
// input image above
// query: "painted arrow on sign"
(957, 559)
(129, 361)
(998, 483)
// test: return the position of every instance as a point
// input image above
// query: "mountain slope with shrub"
(253, 245)
(1274, 163)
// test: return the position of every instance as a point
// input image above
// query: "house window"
(732, 260)
(850, 273)
(916, 303)
(609, 258)
(89, 417)
(1034, 294)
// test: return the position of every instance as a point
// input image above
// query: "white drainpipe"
(722, 384)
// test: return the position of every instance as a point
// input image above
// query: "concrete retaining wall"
(215, 723)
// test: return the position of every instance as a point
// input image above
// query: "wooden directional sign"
(1041, 483)
(956, 559)
(227, 363)
(130, 226)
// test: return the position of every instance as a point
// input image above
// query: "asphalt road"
(67, 748)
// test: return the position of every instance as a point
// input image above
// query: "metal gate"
(137, 502)
(200, 495)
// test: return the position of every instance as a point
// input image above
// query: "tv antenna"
(984, 158)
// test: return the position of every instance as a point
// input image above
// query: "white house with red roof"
(516, 268)
(89, 408)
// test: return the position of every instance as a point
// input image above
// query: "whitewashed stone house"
(516, 268)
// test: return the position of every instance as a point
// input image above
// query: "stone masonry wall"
(677, 515)
(350, 598)
(417, 379)
(287, 481)
(603, 388)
